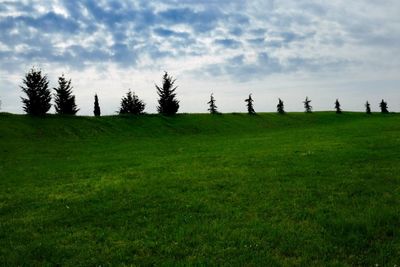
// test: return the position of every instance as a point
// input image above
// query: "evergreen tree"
(64, 100)
(131, 104)
(213, 107)
(168, 104)
(280, 107)
(337, 107)
(250, 109)
(367, 108)
(384, 107)
(36, 87)
(307, 105)
(96, 110)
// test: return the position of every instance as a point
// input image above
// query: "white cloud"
(270, 48)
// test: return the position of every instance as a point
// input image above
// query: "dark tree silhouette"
(307, 105)
(368, 108)
(337, 107)
(167, 103)
(280, 107)
(213, 107)
(384, 107)
(96, 110)
(131, 104)
(64, 100)
(250, 108)
(36, 87)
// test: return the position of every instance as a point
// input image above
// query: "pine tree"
(337, 107)
(131, 104)
(367, 108)
(64, 100)
(307, 105)
(384, 107)
(250, 109)
(280, 107)
(168, 104)
(38, 94)
(213, 107)
(96, 110)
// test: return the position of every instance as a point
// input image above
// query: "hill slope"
(298, 189)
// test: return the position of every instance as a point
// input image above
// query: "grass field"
(300, 189)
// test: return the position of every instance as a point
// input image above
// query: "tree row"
(38, 98)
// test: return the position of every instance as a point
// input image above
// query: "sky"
(286, 49)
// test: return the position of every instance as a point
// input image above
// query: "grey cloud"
(237, 31)
(242, 71)
(232, 39)
(258, 32)
(228, 43)
(256, 41)
(122, 32)
(266, 65)
(163, 32)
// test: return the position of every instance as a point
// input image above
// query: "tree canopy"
(280, 107)
(36, 88)
(96, 110)
(250, 108)
(307, 105)
(167, 102)
(337, 107)
(384, 107)
(212, 107)
(368, 108)
(64, 100)
(131, 104)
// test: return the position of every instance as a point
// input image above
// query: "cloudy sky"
(288, 48)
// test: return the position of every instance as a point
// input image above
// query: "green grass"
(300, 189)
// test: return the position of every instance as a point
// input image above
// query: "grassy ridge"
(232, 189)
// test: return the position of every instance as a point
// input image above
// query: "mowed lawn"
(195, 189)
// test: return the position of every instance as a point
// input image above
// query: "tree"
(96, 110)
(337, 107)
(384, 107)
(280, 107)
(168, 104)
(64, 100)
(367, 108)
(131, 104)
(250, 109)
(36, 87)
(307, 105)
(213, 107)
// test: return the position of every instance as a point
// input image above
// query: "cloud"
(244, 41)
(228, 43)
(126, 33)
(51, 22)
(163, 32)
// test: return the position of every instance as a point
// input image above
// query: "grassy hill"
(299, 189)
